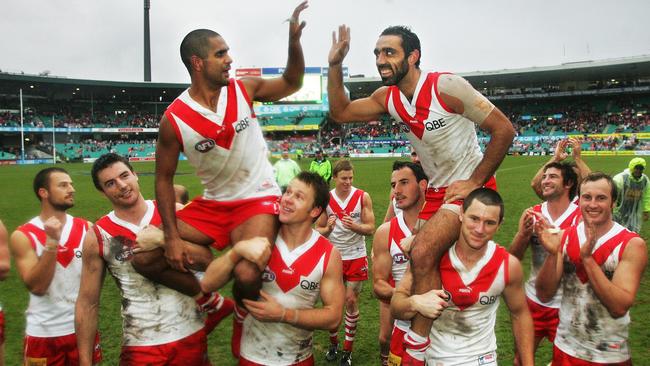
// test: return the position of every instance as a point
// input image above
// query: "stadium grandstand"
(607, 103)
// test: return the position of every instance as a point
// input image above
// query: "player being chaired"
(440, 112)
(213, 124)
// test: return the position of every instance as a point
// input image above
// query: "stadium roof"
(629, 68)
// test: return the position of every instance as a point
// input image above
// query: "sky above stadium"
(104, 39)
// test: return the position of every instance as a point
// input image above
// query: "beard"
(398, 73)
(61, 206)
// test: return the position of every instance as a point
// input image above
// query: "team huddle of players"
(297, 259)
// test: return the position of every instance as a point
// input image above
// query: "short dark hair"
(343, 164)
(42, 179)
(415, 168)
(410, 40)
(320, 187)
(569, 175)
(596, 176)
(195, 43)
(487, 197)
(104, 162)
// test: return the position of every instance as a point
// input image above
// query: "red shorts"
(2, 327)
(396, 347)
(307, 362)
(189, 351)
(545, 320)
(48, 351)
(217, 219)
(434, 198)
(355, 270)
(562, 359)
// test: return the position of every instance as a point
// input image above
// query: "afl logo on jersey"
(204, 146)
(399, 258)
(268, 275)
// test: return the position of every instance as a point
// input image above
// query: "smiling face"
(553, 184)
(392, 63)
(119, 184)
(59, 192)
(407, 191)
(343, 180)
(479, 223)
(596, 202)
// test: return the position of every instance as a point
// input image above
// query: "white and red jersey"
(445, 141)
(52, 315)
(226, 146)
(398, 230)
(587, 330)
(293, 278)
(152, 314)
(570, 217)
(464, 332)
(350, 244)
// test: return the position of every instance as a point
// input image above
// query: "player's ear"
(196, 62)
(414, 56)
(315, 212)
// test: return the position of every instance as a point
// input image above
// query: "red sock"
(415, 347)
(334, 337)
(350, 330)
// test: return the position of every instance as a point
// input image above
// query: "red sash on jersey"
(288, 277)
(465, 295)
(222, 135)
(65, 252)
(396, 234)
(116, 230)
(352, 203)
(422, 104)
(572, 220)
(600, 255)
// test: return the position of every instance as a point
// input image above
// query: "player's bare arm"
(405, 306)
(325, 224)
(522, 322)
(367, 225)
(341, 108)
(617, 294)
(168, 149)
(583, 169)
(5, 263)
(382, 264)
(332, 293)
(291, 80)
(256, 250)
(463, 99)
(36, 272)
(87, 306)
(550, 274)
(524, 232)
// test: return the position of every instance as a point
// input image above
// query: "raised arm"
(382, 263)
(36, 272)
(522, 322)
(341, 108)
(463, 99)
(168, 149)
(332, 293)
(87, 306)
(270, 90)
(583, 169)
(524, 232)
(618, 294)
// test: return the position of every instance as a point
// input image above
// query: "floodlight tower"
(147, 42)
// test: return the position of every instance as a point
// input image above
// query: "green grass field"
(19, 204)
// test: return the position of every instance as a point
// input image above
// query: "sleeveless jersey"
(293, 279)
(52, 315)
(152, 314)
(587, 330)
(464, 333)
(398, 231)
(445, 141)
(350, 244)
(570, 217)
(226, 146)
